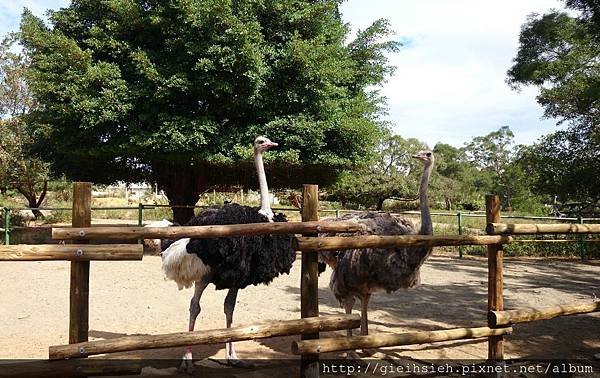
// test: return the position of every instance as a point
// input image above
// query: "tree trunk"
(182, 187)
(380, 204)
(33, 201)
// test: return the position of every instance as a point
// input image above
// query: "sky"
(449, 84)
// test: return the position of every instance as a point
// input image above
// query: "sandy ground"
(132, 298)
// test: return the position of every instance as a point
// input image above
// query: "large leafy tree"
(558, 54)
(175, 91)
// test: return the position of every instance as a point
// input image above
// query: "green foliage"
(15, 98)
(565, 164)
(19, 168)
(558, 54)
(454, 179)
(158, 90)
(499, 170)
(393, 173)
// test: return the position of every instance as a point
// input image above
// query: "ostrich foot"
(236, 362)
(187, 364)
(187, 367)
(372, 353)
(233, 360)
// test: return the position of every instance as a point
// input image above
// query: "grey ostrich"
(229, 263)
(358, 273)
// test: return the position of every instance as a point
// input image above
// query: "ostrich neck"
(265, 203)
(426, 224)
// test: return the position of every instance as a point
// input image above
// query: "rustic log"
(495, 278)
(501, 318)
(336, 243)
(70, 252)
(79, 290)
(309, 281)
(216, 336)
(134, 233)
(496, 228)
(389, 340)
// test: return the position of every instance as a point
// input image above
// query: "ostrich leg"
(348, 304)
(187, 363)
(229, 306)
(364, 322)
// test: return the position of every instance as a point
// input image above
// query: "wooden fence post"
(309, 284)
(495, 277)
(80, 270)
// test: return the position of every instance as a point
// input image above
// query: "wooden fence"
(310, 324)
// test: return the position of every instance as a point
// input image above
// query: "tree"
(174, 92)
(19, 168)
(558, 54)
(454, 179)
(565, 164)
(392, 175)
(495, 157)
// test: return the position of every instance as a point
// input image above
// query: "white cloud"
(449, 85)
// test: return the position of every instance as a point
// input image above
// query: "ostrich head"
(425, 156)
(262, 144)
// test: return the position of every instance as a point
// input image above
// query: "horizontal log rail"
(388, 340)
(70, 252)
(216, 231)
(525, 228)
(217, 336)
(502, 318)
(336, 243)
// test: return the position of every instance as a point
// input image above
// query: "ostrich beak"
(270, 144)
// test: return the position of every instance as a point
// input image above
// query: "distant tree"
(496, 158)
(565, 164)
(454, 179)
(558, 54)
(392, 175)
(174, 92)
(15, 97)
(20, 169)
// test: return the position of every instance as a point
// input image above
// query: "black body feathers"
(237, 262)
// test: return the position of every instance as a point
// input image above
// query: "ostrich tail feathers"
(182, 267)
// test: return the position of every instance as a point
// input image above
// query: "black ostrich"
(230, 263)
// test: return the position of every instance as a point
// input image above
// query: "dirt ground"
(132, 298)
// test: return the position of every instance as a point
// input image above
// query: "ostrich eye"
(429, 154)
(261, 141)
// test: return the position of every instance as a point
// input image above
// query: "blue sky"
(449, 85)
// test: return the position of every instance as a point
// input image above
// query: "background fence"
(445, 223)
